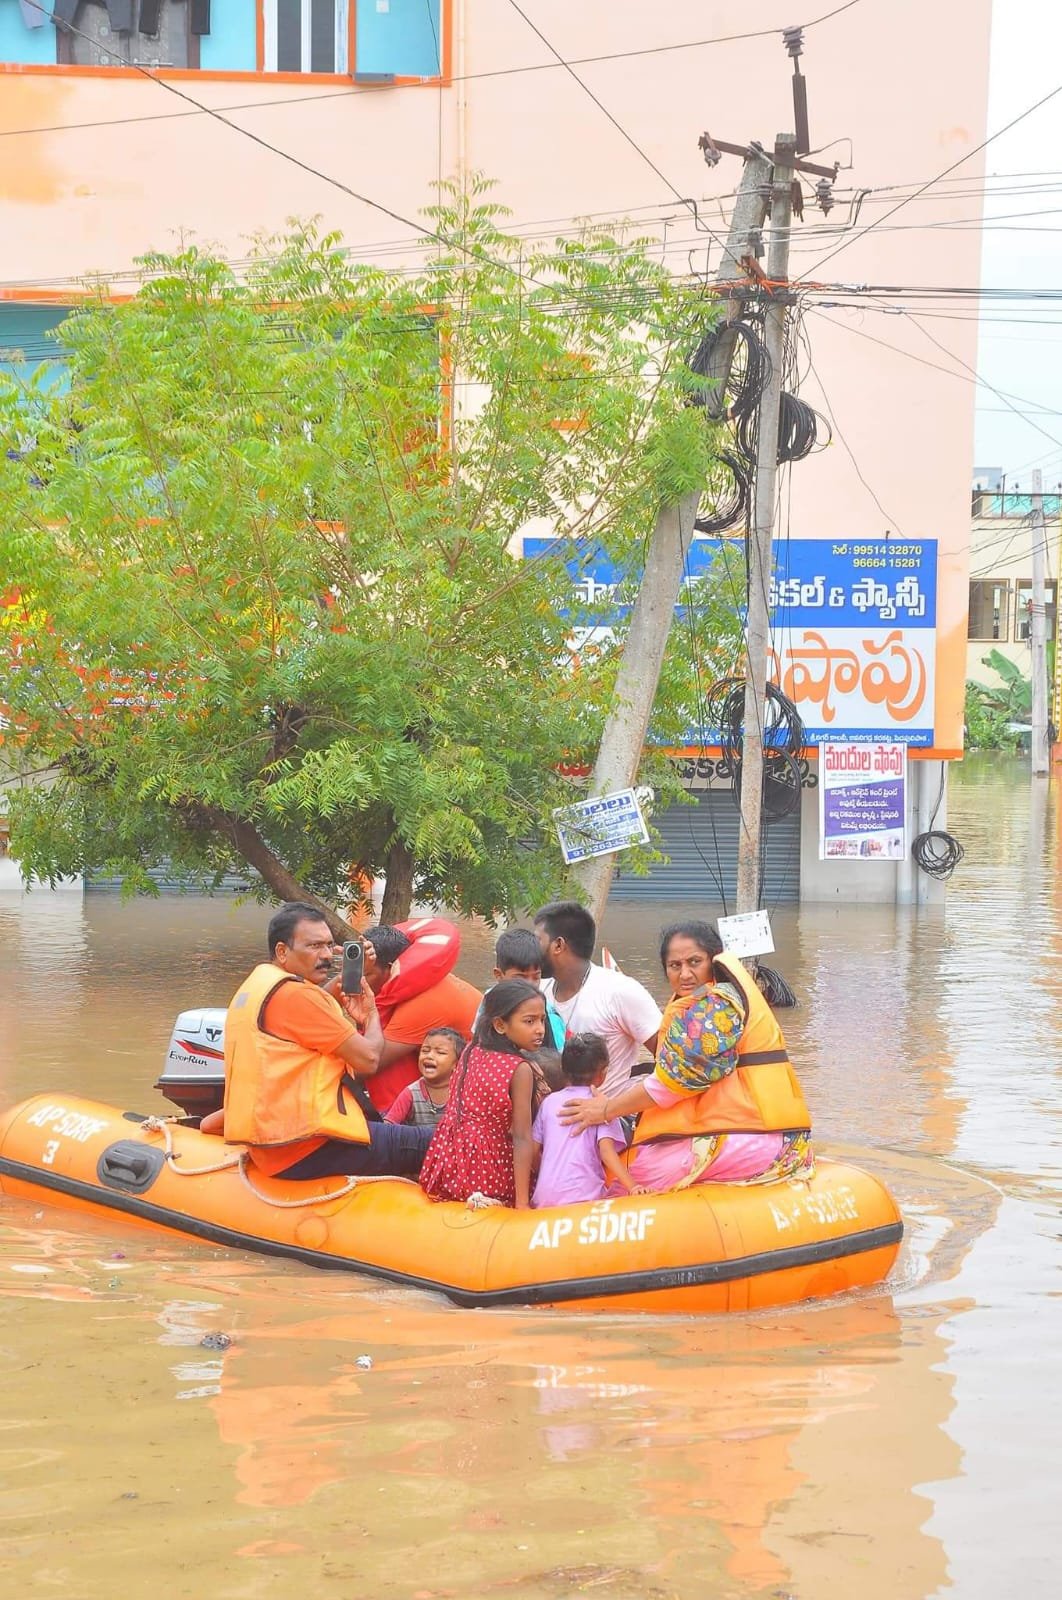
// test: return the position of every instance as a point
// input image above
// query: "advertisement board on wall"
(854, 636)
(853, 629)
(862, 801)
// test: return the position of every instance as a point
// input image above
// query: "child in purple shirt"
(579, 1167)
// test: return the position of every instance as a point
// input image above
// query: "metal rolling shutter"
(167, 883)
(699, 858)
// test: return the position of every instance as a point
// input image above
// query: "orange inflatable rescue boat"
(709, 1248)
(713, 1247)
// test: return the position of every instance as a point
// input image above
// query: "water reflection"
(895, 1444)
(47, 943)
(485, 1452)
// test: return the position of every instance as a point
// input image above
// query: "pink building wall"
(906, 84)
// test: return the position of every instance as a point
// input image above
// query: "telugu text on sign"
(862, 801)
(853, 628)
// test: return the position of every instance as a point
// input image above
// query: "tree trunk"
(254, 850)
(398, 893)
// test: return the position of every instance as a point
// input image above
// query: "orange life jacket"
(762, 1095)
(276, 1091)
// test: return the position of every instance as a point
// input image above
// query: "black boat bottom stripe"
(607, 1286)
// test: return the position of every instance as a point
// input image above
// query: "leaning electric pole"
(786, 162)
(761, 530)
(620, 752)
(767, 188)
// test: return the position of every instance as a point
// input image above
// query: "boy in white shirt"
(593, 999)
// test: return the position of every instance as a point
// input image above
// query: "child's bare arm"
(615, 1169)
(523, 1145)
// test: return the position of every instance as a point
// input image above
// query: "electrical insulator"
(711, 155)
(824, 196)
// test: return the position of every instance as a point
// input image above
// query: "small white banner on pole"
(862, 802)
(598, 827)
(747, 934)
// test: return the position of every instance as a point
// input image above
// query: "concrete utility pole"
(623, 739)
(1038, 633)
(761, 533)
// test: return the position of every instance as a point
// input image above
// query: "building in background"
(155, 121)
(1001, 580)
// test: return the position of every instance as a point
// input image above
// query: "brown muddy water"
(894, 1445)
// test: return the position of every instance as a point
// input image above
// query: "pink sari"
(663, 1164)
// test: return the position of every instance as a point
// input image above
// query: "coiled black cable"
(798, 429)
(750, 369)
(727, 506)
(937, 853)
(773, 987)
(783, 729)
(781, 785)
(783, 741)
(745, 429)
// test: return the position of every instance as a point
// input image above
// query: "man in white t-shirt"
(593, 999)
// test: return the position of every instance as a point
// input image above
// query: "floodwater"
(895, 1445)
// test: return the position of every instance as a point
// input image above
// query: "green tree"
(993, 709)
(260, 603)
(1012, 696)
(986, 728)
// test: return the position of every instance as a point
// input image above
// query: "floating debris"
(215, 1341)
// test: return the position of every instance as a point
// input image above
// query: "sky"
(1020, 344)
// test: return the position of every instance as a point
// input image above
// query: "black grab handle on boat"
(130, 1166)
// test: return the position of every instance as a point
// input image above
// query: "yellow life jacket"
(278, 1092)
(762, 1095)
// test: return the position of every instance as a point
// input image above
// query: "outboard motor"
(194, 1074)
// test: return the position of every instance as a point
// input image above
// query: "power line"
(971, 178)
(305, 166)
(961, 225)
(370, 250)
(891, 521)
(839, 293)
(1005, 539)
(983, 381)
(466, 77)
(1022, 115)
(939, 291)
(936, 367)
(1034, 461)
(620, 129)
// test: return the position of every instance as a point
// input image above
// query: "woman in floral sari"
(713, 1110)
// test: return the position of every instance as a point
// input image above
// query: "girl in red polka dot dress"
(483, 1143)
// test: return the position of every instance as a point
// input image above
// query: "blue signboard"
(853, 628)
(880, 582)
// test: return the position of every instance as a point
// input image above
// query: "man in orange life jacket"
(294, 1047)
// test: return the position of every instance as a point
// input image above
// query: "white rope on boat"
(351, 1184)
(162, 1125)
(293, 1205)
(240, 1160)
